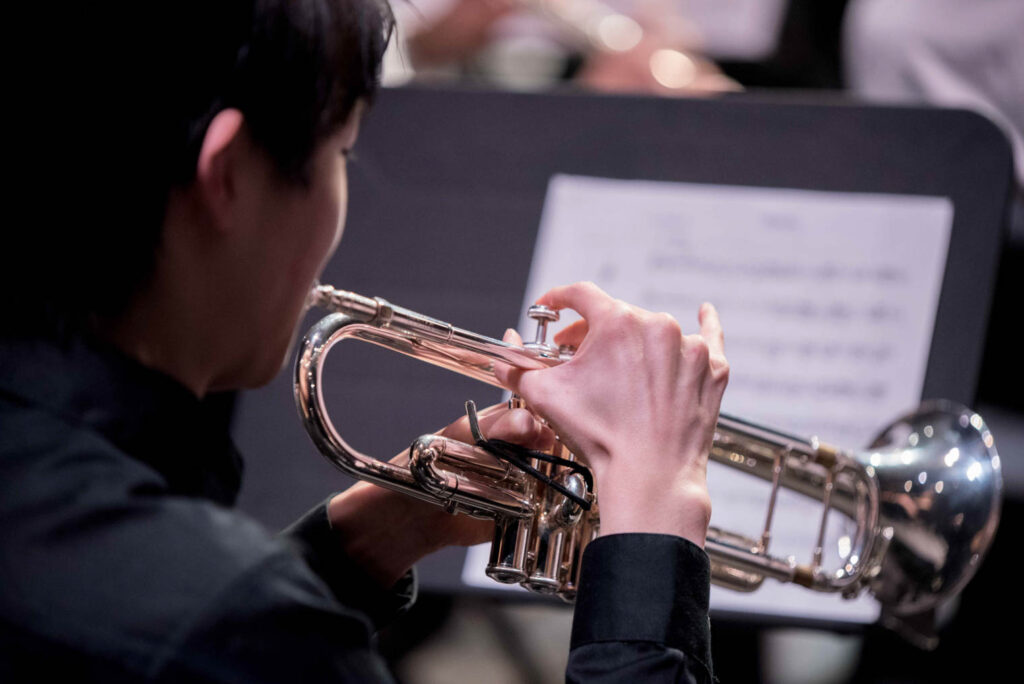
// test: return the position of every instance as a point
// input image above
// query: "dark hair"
(134, 88)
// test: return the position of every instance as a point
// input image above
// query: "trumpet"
(925, 496)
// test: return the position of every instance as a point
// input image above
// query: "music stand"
(446, 198)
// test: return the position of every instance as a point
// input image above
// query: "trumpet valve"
(542, 315)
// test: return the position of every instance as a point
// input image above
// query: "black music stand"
(446, 198)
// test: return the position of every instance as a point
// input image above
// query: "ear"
(218, 164)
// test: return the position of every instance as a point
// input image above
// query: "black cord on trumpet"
(520, 457)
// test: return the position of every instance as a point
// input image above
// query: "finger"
(572, 335)
(585, 298)
(499, 422)
(512, 337)
(696, 348)
(519, 426)
(490, 415)
(503, 6)
(711, 329)
(696, 359)
(505, 373)
(718, 378)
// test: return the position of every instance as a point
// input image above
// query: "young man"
(218, 198)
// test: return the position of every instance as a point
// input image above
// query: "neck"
(171, 324)
(163, 337)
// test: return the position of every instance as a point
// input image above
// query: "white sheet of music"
(828, 302)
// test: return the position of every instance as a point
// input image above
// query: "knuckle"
(589, 288)
(720, 366)
(722, 374)
(698, 502)
(696, 348)
(623, 316)
(664, 330)
(670, 326)
(520, 421)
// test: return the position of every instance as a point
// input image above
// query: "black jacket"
(123, 560)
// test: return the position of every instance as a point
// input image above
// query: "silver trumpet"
(925, 496)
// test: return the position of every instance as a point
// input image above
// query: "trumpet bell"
(940, 493)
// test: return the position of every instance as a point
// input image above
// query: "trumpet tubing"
(925, 496)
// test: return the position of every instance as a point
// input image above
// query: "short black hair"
(128, 91)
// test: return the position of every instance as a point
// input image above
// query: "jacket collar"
(148, 415)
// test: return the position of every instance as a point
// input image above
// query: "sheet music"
(828, 302)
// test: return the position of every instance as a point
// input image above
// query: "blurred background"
(935, 53)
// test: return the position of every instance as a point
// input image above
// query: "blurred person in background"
(627, 46)
(950, 53)
(661, 47)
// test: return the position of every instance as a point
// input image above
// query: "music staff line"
(811, 350)
(778, 270)
(806, 309)
(832, 388)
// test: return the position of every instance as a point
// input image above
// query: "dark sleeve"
(277, 623)
(305, 614)
(319, 546)
(642, 612)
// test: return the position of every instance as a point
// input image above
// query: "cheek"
(340, 214)
(331, 221)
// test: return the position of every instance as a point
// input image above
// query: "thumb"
(509, 375)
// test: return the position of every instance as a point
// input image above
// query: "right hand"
(639, 400)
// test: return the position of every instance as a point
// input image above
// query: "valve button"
(538, 312)
(543, 315)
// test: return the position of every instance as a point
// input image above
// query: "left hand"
(387, 532)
